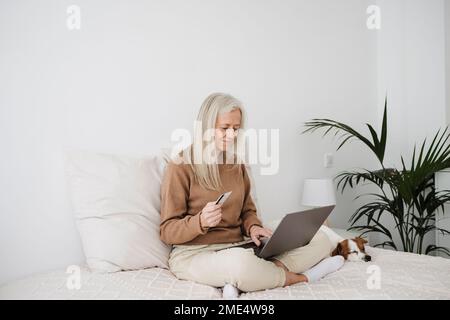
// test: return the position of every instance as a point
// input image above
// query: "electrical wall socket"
(328, 160)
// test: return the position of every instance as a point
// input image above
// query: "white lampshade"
(318, 193)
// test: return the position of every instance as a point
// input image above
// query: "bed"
(402, 276)
(95, 177)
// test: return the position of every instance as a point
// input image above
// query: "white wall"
(447, 57)
(411, 70)
(137, 70)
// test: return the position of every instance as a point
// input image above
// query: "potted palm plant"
(407, 196)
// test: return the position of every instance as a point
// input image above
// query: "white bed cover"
(402, 276)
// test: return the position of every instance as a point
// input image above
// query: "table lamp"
(318, 193)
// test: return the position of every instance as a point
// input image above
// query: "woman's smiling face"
(227, 126)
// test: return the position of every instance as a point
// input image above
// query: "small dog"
(350, 249)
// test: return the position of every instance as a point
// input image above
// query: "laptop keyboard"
(251, 245)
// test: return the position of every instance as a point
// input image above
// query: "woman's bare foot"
(291, 277)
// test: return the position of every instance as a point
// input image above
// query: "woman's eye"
(227, 128)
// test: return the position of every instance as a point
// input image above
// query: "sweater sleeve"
(177, 226)
(248, 215)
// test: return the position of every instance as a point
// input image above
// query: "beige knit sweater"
(182, 200)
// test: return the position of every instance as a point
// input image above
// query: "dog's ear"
(360, 242)
(360, 239)
(337, 251)
(341, 249)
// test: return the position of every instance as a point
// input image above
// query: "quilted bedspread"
(390, 275)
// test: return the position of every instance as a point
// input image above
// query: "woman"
(201, 231)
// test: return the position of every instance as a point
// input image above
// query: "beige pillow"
(116, 202)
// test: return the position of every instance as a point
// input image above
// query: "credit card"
(223, 197)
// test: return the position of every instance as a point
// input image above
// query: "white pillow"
(116, 201)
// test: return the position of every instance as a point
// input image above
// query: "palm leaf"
(377, 145)
(386, 243)
(433, 248)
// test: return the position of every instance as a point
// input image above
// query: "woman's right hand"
(211, 215)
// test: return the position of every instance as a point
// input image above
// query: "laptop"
(295, 230)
